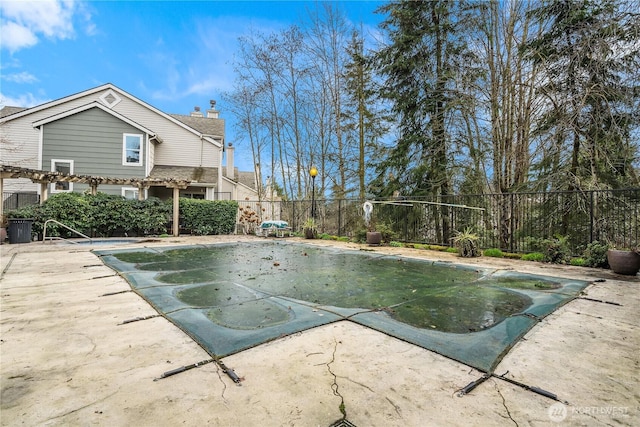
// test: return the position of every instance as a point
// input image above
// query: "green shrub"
(451, 250)
(343, 239)
(395, 244)
(71, 209)
(493, 252)
(326, 236)
(205, 217)
(579, 262)
(388, 234)
(595, 255)
(511, 255)
(99, 215)
(533, 256)
(555, 250)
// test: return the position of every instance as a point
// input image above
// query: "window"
(130, 193)
(65, 167)
(132, 150)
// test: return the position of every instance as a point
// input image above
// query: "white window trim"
(124, 149)
(53, 169)
(123, 190)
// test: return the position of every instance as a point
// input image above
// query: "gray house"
(105, 132)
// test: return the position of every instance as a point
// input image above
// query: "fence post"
(406, 223)
(591, 227)
(339, 217)
(512, 223)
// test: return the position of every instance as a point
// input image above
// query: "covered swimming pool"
(234, 296)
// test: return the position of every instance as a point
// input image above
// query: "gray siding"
(93, 140)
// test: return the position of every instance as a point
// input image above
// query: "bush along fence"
(512, 222)
(105, 215)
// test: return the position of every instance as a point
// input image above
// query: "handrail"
(44, 232)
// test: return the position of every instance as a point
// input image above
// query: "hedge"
(104, 215)
(204, 217)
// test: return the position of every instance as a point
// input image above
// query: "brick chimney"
(230, 167)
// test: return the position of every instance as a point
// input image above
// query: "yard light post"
(313, 172)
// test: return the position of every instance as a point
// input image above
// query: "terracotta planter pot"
(374, 238)
(310, 233)
(3, 235)
(624, 262)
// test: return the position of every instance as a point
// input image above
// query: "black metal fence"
(512, 222)
(12, 201)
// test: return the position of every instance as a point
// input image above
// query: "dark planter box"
(20, 230)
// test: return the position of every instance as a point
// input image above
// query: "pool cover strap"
(230, 372)
(473, 384)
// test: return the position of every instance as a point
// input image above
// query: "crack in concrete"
(224, 385)
(334, 386)
(396, 407)
(83, 407)
(504, 404)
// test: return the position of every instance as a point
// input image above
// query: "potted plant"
(310, 229)
(624, 260)
(374, 237)
(467, 243)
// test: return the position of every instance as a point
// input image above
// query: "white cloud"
(23, 77)
(24, 22)
(15, 36)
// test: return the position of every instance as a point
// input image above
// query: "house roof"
(186, 173)
(8, 110)
(25, 111)
(88, 107)
(204, 125)
(247, 178)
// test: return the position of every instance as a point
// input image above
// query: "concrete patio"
(67, 358)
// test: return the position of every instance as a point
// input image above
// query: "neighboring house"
(107, 132)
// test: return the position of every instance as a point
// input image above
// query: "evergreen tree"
(589, 53)
(420, 66)
(364, 120)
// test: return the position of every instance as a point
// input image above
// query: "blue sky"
(173, 55)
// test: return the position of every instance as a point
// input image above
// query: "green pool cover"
(230, 297)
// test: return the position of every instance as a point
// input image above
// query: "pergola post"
(176, 211)
(44, 191)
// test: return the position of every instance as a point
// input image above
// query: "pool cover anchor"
(534, 389)
(473, 384)
(230, 372)
(137, 319)
(599, 300)
(116, 293)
